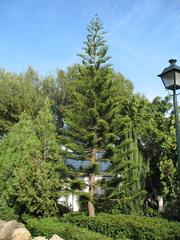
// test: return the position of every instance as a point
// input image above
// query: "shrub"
(172, 209)
(6, 212)
(129, 226)
(49, 226)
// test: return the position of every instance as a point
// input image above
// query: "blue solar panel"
(103, 166)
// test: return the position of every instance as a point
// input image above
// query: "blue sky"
(142, 36)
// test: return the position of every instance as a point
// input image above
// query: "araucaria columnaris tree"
(90, 117)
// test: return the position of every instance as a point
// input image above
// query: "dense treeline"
(77, 114)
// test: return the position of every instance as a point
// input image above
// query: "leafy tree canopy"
(32, 171)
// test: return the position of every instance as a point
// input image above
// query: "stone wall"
(12, 230)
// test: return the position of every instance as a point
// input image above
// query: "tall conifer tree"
(90, 117)
(127, 188)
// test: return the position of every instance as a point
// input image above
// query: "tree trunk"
(92, 176)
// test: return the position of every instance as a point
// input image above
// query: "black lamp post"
(171, 80)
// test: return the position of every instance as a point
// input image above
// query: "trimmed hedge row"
(131, 227)
(49, 226)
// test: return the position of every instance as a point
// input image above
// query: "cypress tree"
(126, 190)
(90, 118)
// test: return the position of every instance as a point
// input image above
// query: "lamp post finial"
(172, 61)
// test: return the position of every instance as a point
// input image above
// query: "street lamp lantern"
(171, 76)
(171, 80)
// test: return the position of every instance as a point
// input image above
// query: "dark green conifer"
(129, 168)
(90, 118)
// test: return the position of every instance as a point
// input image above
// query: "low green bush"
(128, 226)
(6, 212)
(49, 226)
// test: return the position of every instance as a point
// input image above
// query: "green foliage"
(152, 124)
(172, 208)
(77, 184)
(168, 178)
(94, 110)
(92, 168)
(129, 226)
(89, 118)
(126, 191)
(59, 90)
(32, 171)
(50, 226)
(6, 212)
(159, 148)
(18, 93)
(95, 48)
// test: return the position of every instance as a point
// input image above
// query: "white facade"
(70, 201)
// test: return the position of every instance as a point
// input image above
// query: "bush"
(6, 212)
(49, 226)
(172, 209)
(128, 226)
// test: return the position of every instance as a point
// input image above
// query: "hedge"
(131, 227)
(49, 226)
